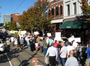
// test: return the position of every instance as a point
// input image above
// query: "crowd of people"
(57, 51)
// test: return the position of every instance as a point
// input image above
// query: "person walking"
(12, 41)
(28, 43)
(45, 46)
(88, 55)
(22, 43)
(16, 42)
(69, 48)
(59, 48)
(63, 53)
(71, 61)
(55, 44)
(8, 44)
(41, 42)
(51, 41)
(53, 55)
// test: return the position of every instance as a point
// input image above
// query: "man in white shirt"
(53, 55)
(69, 48)
(12, 40)
(63, 53)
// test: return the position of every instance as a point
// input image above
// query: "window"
(74, 8)
(57, 11)
(49, 13)
(68, 9)
(52, 11)
(61, 10)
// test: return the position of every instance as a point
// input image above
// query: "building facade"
(72, 9)
(56, 10)
(11, 17)
(67, 18)
(7, 18)
(15, 17)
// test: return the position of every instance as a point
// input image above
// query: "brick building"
(15, 17)
(67, 18)
(56, 9)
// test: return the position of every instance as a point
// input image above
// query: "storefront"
(76, 27)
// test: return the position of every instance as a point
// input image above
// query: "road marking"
(8, 59)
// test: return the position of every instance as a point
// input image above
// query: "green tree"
(13, 25)
(41, 18)
(7, 25)
(36, 16)
(85, 10)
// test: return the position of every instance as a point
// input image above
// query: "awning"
(75, 24)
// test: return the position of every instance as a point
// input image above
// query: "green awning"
(75, 24)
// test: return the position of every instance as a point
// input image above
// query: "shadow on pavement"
(3, 58)
(25, 62)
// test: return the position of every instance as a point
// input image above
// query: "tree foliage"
(36, 16)
(13, 25)
(42, 20)
(7, 25)
(10, 25)
(85, 10)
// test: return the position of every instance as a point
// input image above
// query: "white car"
(2, 47)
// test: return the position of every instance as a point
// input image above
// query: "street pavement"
(24, 57)
(4, 60)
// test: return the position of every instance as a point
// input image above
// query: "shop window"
(61, 10)
(68, 9)
(57, 11)
(52, 11)
(74, 8)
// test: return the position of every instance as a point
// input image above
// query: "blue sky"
(13, 6)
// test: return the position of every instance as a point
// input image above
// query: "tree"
(26, 21)
(13, 25)
(41, 18)
(36, 16)
(7, 25)
(85, 10)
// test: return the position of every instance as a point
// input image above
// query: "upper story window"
(68, 9)
(74, 8)
(52, 11)
(57, 11)
(61, 10)
(49, 14)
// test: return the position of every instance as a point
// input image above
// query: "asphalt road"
(24, 57)
(4, 61)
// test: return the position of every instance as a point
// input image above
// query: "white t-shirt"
(36, 44)
(63, 52)
(12, 39)
(69, 48)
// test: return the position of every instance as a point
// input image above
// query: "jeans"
(45, 51)
(58, 58)
(63, 61)
(28, 46)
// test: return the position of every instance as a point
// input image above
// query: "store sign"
(68, 26)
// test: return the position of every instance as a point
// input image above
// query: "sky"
(14, 6)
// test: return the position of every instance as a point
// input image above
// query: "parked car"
(2, 46)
